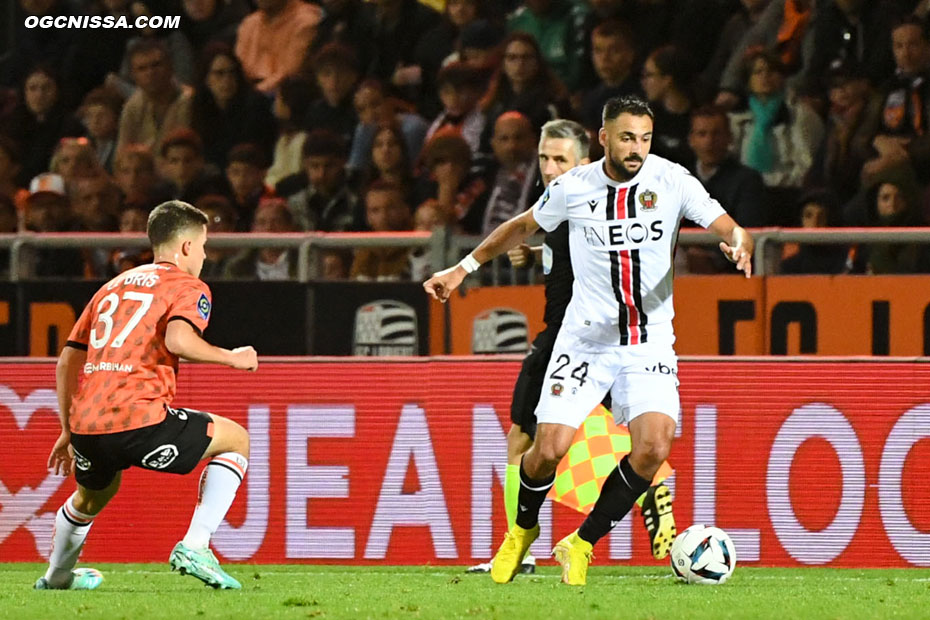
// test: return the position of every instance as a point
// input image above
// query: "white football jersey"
(621, 237)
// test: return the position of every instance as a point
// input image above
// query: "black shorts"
(175, 445)
(529, 384)
(530, 381)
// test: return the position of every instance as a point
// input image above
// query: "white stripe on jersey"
(621, 237)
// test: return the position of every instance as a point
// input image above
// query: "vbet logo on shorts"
(62, 22)
(385, 327)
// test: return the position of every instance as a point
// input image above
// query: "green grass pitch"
(140, 591)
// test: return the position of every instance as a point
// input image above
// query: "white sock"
(71, 527)
(218, 485)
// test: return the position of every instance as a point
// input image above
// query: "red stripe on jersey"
(626, 273)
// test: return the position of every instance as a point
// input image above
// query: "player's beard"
(618, 167)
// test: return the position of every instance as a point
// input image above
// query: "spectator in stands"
(183, 166)
(777, 135)
(9, 173)
(665, 82)
(132, 219)
(328, 203)
(893, 202)
(206, 21)
(226, 110)
(73, 158)
(426, 218)
(736, 27)
(245, 176)
(48, 210)
(9, 223)
(159, 104)
(335, 264)
(511, 176)
(47, 46)
(853, 32)
(523, 83)
(903, 136)
(613, 56)
(336, 72)
(438, 44)
(555, 25)
(38, 122)
(272, 263)
(273, 41)
(95, 206)
(460, 89)
(95, 203)
(135, 175)
(784, 29)
(399, 26)
(390, 161)
(479, 46)
(448, 177)
(98, 58)
(290, 106)
(221, 218)
(385, 211)
(351, 23)
(818, 210)
(737, 187)
(846, 145)
(375, 109)
(100, 113)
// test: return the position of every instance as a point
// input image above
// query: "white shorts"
(640, 378)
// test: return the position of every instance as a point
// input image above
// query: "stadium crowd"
(399, 115)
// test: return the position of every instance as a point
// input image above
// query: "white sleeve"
(696, 204)
(552, 208)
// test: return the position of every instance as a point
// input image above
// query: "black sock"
(620, 491)
(532, 494)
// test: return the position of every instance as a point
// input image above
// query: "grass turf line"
(141, 591)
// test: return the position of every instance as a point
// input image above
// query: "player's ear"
(602, 137)
(186, 247)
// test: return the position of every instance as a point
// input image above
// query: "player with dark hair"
(563, 145)
(126, 345)
(623, 212)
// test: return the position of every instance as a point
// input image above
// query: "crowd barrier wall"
(717, 315)
(401, 461)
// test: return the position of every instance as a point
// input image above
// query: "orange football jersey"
(130, 375)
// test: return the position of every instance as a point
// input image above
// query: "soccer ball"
(704, 555)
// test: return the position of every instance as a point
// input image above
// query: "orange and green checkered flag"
(598, 446)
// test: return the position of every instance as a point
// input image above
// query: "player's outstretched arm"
(183, 341)
(67, 375)
(737, 244)
(506, 236)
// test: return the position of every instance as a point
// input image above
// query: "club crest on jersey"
(557, 389)
(648, 200)
(203, 306)
(544, 199)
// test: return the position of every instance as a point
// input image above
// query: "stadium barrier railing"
(444, 248)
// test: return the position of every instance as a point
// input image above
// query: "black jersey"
(557, 267)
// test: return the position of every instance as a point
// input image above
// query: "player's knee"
(243, 441)
(653, 450)
(550, 452)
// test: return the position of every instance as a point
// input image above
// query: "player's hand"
(520, 255)
(244, 358)
(61, 459)
(441, 285)
(741, 254)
